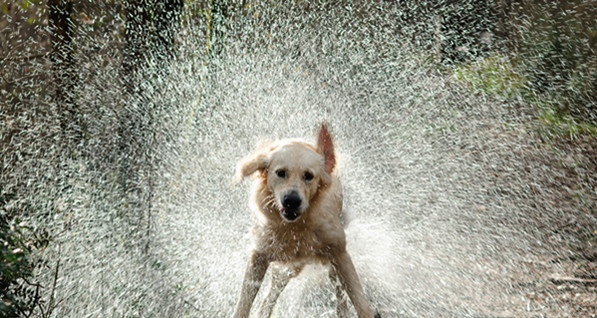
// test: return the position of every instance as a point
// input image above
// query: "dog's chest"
(293, 244)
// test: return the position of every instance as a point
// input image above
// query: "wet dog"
(297, 201)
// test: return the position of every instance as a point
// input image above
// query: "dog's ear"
(326, 148)
(257, 161)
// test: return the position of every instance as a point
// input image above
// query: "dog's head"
(294, 172)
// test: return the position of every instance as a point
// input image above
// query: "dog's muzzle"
(291, 204)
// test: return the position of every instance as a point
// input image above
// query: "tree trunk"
(217, 34)
(167, 20)
(136, 35)
(150, 30)
(64, 75)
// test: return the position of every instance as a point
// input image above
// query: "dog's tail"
(346, 216)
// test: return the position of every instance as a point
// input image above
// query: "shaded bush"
(555, 42)
(546, 53)
(19, 290)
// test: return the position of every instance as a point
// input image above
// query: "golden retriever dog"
(297, 201)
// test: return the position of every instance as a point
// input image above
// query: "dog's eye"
(308, 176)
(281, 173)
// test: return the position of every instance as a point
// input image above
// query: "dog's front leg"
(256, 268)
(281, 275)
(341, 301)
(350, 281)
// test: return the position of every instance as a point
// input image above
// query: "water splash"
(440, 180)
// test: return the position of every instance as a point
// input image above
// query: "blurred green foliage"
(547, 58)
(493, 74)
(556, 45)
(19, 258)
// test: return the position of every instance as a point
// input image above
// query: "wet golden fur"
(288, 236)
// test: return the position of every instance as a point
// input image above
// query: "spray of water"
(447, 188)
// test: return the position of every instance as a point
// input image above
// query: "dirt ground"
(555, 288)
(560, 280)
(566, 286)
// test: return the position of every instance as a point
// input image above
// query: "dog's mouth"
(289, 215)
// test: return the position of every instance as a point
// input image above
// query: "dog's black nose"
(291, 201)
